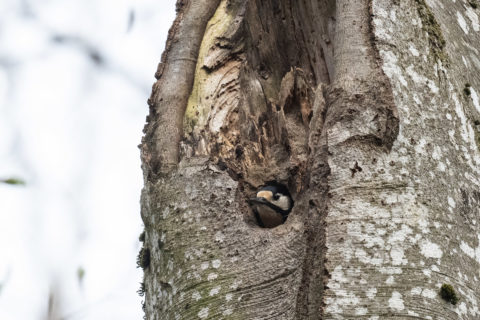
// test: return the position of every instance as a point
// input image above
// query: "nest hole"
(271, 204)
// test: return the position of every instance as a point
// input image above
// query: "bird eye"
(276, 197)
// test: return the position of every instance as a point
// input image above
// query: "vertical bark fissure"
(310, 298)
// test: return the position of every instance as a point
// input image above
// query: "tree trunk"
(368, 111)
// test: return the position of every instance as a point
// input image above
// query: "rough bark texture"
(362, 109)
(407, 223)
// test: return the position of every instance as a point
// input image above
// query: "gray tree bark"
(368, 110)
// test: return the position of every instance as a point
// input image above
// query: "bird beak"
(258, 200)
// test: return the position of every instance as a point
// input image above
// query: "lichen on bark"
(434, 31)
(364, 121)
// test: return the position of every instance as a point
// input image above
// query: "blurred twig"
(13, 181)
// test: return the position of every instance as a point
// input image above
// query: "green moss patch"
(448, 294)
(143, 258)
(435, 37)
(466, 89)
(141, 290)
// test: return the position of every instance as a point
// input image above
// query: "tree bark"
(367, 110)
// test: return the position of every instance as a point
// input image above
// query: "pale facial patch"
(265, 194)
(283, 202)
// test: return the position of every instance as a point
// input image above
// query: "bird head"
(275, 196)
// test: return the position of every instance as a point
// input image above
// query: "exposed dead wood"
(255, 95)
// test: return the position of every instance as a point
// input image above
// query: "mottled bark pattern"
(359, 108)
(407, 223)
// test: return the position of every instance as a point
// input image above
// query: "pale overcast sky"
(75, 76)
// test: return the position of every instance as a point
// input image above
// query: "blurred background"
(75, 76)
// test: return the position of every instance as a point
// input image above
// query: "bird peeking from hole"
(272, 205)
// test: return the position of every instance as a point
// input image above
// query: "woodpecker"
(272, 205)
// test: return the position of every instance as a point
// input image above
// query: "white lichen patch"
(429, 293)
(228, 296)
(472, 15)
(413, 314)
(464, 132)
(360, 311)
(214, 291)
(432, 86)
(390, 270)
(165, 213)
(397, 255)
(364, 257)
(434, 4)
(473, 253)
(423, 224)
(427, 272)
(441, 167)
(473, 58)
(342, 299)
(399, 236)
(216, 264)
(236, 284)
(420, 147)
(338, 275)
(451, 202)
(437, 153)
(196, 295)
(451, 135)
(170, 265)
(461, 309)
(430, 249)
(391, 68)
(204, 265)
(396, 301)
(219, 237)
(419, 79)
(203, 314)
(416, 291)
(475, 99)
(428, 118)
(437, 138)
(462, 23)
(227, 312)
(381, 12)
(374, 241)
(212, 276)
(382, 32)
(371, 293)
(393, 15)
(337, 278)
